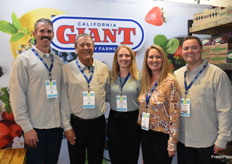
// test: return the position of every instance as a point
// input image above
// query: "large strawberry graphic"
(9, 130)
(155, 16)
(4, 142)
(15, 130)
(4, 130)
(4, 135)
(8, 116)
(7, 123)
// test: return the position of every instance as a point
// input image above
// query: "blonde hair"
(147, 73)
(134, 72)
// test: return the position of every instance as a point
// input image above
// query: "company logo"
(108, 33)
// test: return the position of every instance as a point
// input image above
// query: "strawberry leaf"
(8, 108)
(16, 22)
(161, 40)
(5, 99)
(172, 45)
(17, 36)
(7, 27)
(1, 107)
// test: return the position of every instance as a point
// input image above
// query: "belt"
(87, 120)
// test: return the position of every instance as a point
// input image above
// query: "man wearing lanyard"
(35, 93)
(206, 107)
(86, 81)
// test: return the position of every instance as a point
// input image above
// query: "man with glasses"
(206, 107)
(86, 82)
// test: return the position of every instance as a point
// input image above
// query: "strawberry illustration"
(8, 116)
(4, 135)
(4, 130)
(155, 16)
(178, 53)
(4, 141)
(7, 123)
(15, 130)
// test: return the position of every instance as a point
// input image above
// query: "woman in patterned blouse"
(159, 110)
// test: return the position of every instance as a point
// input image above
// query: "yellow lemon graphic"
(28, 20)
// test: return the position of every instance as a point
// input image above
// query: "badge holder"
(51, 89)
(88, 100)
(121, 103)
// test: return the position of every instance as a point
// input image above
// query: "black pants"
(90, 137)
(189, 155)
(154, 147)
(123, 137)
(48, 147)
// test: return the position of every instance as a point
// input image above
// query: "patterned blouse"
(164, 109)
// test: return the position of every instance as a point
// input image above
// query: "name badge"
(88, 100)
(145, 121)
(121, 103)
(185, 107)
(51, 89)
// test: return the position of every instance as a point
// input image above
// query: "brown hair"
(147, 73)
(192, 37)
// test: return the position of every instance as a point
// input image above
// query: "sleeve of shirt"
(18, 88)
(223, 96)
(174, 115)
(139, 81)
(107, 87)
(65, 107)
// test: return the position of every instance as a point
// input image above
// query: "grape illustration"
(69, 57)
(66, 57)
(23, 48)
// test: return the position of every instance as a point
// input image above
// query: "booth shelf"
(213, 28)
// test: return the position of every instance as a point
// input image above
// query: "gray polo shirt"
(131, 89)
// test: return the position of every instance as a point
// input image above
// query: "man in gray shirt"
(35, 91)
(86, 82)
(206, 107)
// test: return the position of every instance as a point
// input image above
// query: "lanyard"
(88, 80)
(187, 87)
(41, 59)
(122, 84)
(148, 96)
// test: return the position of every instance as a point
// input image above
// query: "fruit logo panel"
(107, 33)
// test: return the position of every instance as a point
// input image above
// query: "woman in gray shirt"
(123, 130)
